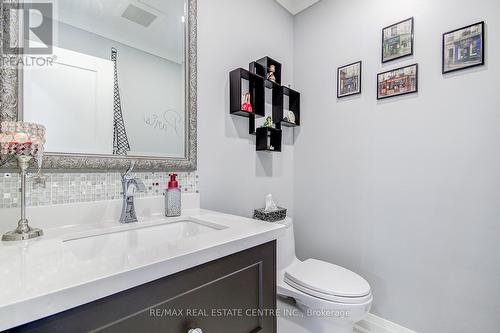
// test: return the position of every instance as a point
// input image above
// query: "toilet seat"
(328, 281)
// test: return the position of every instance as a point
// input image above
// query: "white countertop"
(45, 276)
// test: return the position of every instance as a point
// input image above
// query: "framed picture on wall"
(397, 82)
(397, 40)
(463, 48)
(349, 80)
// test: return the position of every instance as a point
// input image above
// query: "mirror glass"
(116, 85)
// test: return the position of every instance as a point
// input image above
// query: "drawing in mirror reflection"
(170, 120)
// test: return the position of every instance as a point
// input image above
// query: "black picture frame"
(473, 64)
(412, 35)
(415, 90)
(360, 79)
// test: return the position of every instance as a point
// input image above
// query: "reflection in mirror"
(117, 83)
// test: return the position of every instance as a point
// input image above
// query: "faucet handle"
(140, 185)
(132, 185)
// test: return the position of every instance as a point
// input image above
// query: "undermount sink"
(137, 235)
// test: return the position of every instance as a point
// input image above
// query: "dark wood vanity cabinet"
(235, 294)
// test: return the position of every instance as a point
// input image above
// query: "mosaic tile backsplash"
(64, 188)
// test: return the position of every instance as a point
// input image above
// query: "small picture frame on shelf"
(463, 48)
(349, 80)
(397, 82)
(397, 40)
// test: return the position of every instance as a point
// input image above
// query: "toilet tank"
(286, 245)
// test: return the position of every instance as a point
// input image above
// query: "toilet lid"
(326, 278)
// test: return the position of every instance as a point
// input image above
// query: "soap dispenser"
(173, 197)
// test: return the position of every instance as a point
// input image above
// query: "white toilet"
(328, 298)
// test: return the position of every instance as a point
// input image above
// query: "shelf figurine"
(269, 122)
(246, 106)
(289, 116)
(270, 74)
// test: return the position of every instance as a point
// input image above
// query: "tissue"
(270, 205)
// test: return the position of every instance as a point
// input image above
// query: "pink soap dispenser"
(173, 197)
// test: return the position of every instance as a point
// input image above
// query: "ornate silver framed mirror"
(113, 81)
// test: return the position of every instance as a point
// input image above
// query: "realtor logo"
(37, 28)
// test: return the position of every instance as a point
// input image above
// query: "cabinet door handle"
(195, 330)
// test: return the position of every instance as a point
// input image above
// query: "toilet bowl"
(328, 298)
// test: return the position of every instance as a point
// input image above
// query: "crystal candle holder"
(21, 139)
(24, 141)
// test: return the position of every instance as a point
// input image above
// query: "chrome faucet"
(129, 186)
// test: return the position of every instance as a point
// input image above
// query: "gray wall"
(151, 88)
(232, 33)
(405, 191)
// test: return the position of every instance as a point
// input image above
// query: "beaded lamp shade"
(21, 139)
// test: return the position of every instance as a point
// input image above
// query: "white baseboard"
(374, 324)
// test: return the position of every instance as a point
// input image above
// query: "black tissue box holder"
(277, 215)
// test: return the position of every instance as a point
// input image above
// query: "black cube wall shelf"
(266, 63)
(257, 68)
(289, 103)
(274, 102)
(241, 83)
(268, 139)
(249, 97)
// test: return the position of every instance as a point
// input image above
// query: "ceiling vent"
(139, 16)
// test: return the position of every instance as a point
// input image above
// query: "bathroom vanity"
(205, 270)
(231, 292)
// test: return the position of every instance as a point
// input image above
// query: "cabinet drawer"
(235, 294)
